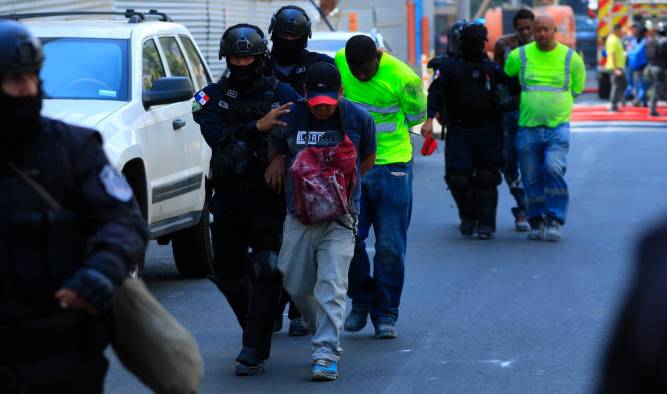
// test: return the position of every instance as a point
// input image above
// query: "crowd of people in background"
(636, 61)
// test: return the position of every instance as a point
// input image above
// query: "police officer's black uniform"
(657, 65)
(288, 62)
(247, 213)
(465, 93)
(289, 58)
(82, 233)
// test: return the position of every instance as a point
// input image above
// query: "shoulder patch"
(115, 184)
(196, 106)
(202, 97)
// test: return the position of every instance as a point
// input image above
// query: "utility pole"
(463, 9)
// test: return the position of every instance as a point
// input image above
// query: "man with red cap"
(328, 144)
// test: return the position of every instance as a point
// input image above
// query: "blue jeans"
(542, 157)
(636, 85)
(386, 204)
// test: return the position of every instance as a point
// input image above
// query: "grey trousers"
(315, 260)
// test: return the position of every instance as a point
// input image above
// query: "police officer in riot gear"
(657, 65)
(68, 236)
(236, 114)
(468, 95)
(290, 30)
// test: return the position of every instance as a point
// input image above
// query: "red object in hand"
(430, 146)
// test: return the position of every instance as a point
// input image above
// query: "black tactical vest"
(39, 247)
(241, 156)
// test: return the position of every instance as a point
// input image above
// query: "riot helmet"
(244, 40)
(661, 29)
(20, 51)
(289, 21)
(454, 38)
(473, 40)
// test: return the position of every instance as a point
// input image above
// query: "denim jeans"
(386, 204)
(543, 157)
(511, 167)
(637, 85)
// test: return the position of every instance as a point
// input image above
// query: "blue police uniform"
(247, 213)
(44, 348)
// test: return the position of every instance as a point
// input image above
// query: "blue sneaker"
(324, 370)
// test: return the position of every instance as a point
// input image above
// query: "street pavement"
(500, 316)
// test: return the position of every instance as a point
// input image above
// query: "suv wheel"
(193, 252)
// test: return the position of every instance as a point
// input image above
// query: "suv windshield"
(85, 69)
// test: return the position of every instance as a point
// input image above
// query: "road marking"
(501, 363)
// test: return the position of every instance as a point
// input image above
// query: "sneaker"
(484, 231)
(356, 320)
(249, 370)
(467, 227)
(278, 323)
(521, 222)
(655, 114)
(385, 330)
(553, 231)
(324, 370)
(297, 328)
(536, 232)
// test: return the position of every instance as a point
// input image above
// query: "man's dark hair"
(359, 50)
(523, 13)
(618, 26)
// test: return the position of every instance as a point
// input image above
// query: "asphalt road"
(501, 316)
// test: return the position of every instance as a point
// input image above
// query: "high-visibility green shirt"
(549, 82)
(615, 53)
(396, 100)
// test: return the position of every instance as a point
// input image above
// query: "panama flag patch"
(202, 97)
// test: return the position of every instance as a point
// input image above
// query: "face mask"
(472, 50)
(22, 122)
(286, 52)
(245, 74)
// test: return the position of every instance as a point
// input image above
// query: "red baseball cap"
(323, 83)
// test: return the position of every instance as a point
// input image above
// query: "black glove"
(94, 287)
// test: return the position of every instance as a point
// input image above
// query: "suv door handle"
(178, 123)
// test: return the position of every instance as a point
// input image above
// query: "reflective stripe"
(415, 118)
(385, 127)
(539, 88)
(379, 110)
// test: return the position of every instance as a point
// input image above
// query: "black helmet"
(454, 38)
(20, 51)
(661, 29)
(474, 30)
(291, 20)
(243, 40)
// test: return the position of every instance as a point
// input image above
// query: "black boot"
(237, 292)
(487, 203)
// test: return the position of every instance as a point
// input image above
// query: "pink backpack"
(323, 180)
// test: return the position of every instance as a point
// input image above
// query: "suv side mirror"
(168, 90)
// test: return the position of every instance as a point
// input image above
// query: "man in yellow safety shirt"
(615, 65)
(551, 75)
(393, 94)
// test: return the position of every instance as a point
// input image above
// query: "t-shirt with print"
(304, 131)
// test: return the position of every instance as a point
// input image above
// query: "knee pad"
(264, 266)
(488, 178)
(459, 179)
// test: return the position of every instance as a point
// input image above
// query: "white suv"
(133, 80)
